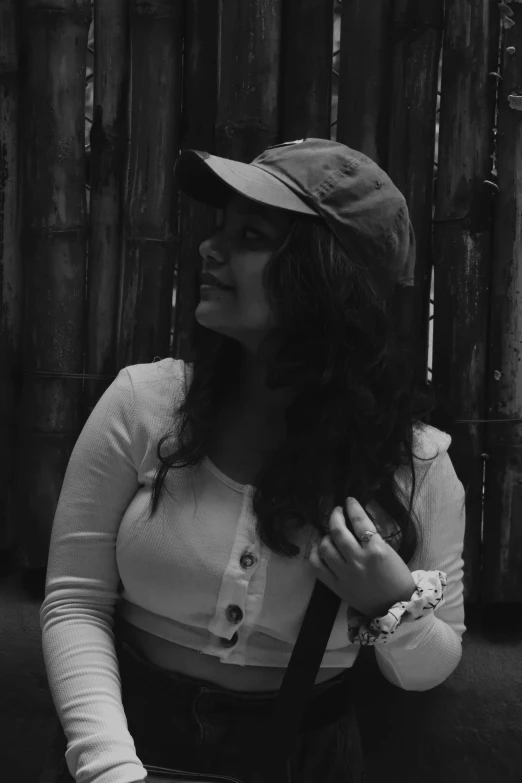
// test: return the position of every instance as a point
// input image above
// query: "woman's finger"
(360, 520)
(323, 557)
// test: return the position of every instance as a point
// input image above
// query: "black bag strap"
(299, 680)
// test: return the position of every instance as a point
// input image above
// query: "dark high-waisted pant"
(189, 724)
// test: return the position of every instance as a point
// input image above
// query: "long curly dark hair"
(351, 423)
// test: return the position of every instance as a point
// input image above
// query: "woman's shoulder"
(160, 374)
(154, 391)
(430, 449)
(429, 442)
(157, 388)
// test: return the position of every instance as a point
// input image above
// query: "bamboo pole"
(54, 230)
(502, 546)
(336, 59)
(200, 84)
(417, 43)
(249, 68)
(10, 263)
(150, 228)
(108, 148)
(365, 77)
(386, 109)
(462, 241)
(306, 69)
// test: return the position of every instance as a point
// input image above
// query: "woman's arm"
(82, 583)
(423, 653)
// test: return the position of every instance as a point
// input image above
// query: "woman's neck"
(253, 389)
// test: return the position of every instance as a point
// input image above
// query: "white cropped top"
(196, 573)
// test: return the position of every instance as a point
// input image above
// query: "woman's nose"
(208, 249)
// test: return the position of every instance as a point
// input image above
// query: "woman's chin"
(207, 314)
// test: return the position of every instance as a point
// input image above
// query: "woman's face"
(236, 254)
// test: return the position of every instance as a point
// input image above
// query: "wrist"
(427, 594)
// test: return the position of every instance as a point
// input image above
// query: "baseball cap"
(349, 191)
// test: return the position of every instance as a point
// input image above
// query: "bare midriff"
(175, 658)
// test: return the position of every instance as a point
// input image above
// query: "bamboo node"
(157, 9)
(505, 9)
(515, 102)
(511, 50)
(493, 184)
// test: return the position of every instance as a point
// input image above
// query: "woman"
(298, 454)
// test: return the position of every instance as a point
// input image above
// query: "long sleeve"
(76, 617)
(423, 653)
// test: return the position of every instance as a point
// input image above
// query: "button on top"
(228, 642)
(247, 560)
(234, 613)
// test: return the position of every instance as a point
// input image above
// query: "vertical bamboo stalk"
(336, 60)
(249, 68)
(417, 37)
(54, 230)
(200, 81)
(365, 77)
(386, 109)
(462, 241)
(502, 546)
(108, 148)
(147, 281)
(10, 261)
(306, 69)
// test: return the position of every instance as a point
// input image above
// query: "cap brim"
(209, 178)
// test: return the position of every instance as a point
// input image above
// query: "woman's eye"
(253, 234)
(247, 233)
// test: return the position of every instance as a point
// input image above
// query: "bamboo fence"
(54, 246)
(108, 149)
(390, 53)
(150, 222)
(462, 244)
(10, 262)
(306, 69)
(114, 282)
(502, 546)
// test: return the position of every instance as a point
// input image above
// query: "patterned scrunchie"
(427, 596)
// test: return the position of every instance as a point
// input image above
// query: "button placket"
(230, 608)
(224, 642)
(237, 601)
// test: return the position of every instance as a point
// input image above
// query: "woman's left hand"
(371, 576)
